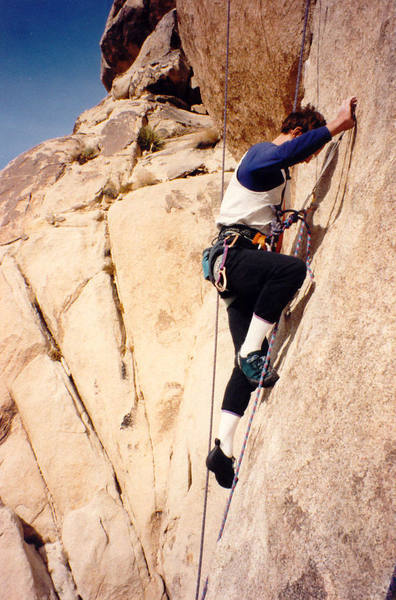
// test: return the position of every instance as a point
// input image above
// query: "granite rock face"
(265, 41)
(107, 327)
(313, 513)
(87, 434)
(23, 573)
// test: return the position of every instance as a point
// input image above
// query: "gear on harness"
(279, 226)
(242, 236)
(214, 257)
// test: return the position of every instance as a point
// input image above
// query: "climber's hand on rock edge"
(345, 118)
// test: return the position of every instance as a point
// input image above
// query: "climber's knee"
(299, 272)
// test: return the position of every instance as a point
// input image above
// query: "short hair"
(307, 118)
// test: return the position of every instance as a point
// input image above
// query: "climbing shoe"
(252, 367)
(221, 465)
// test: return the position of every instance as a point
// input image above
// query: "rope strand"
(203, 525)
(288, 222)
(209, 444)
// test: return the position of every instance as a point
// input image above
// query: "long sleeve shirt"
(260, 179)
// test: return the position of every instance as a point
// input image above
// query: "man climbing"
(255, 282)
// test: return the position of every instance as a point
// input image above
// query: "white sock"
(227, 427)
(257, 331)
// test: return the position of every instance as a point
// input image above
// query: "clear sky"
(49, 68)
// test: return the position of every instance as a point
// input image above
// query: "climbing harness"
(247, 237)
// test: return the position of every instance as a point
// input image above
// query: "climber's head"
(300, 121)
(303, 120)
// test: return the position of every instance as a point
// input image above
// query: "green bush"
(148, 139)
(88, 154)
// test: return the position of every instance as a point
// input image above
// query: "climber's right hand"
(345, 118)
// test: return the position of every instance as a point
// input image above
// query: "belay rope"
(217, 310)
(260, 389)
(293, 218)
(290, 216)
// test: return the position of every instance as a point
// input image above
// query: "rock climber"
(255, 282)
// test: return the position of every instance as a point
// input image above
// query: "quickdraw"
(220, 282)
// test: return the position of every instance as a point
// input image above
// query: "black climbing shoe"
(221, 465)
(252, 367)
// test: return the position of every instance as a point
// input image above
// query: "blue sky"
(49, 68)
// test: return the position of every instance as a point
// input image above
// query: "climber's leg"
(227, 427)
(256, 333)
(266, 282)
(236, 398)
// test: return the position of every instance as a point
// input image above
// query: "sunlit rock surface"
(107, 330)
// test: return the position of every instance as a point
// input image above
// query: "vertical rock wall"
(265, 41)
(313, 514)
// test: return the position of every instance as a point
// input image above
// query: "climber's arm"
(345, 118)
(265, 159)
(262, 162)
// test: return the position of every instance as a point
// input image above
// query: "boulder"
(187, 145)
(98, 542)
(22, 571)
(128, 24)
(169, 121)
(22, 486)
(23, 181)
(160, 67)
(59, 569)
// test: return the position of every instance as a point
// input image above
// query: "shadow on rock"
(289, 324)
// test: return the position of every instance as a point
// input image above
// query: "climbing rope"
(205, 507)
(203, 525)
(293, 217)
(260, 389)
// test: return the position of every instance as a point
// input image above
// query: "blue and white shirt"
(256, 186)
